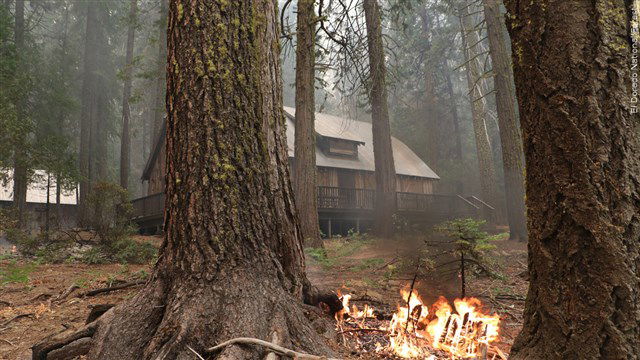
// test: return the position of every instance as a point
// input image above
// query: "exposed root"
(271, 346)
(111, 288)
(77, 343)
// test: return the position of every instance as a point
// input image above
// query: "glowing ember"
(415, 331)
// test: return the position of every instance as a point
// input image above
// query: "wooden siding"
(156, 177)
(330, 177)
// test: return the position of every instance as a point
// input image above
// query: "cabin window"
(341, 147)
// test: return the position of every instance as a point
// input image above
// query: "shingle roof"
(406, 161)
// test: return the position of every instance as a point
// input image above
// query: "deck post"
(329, 226)
(358, 225)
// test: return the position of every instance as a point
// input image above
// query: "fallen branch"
(40, 296)
(195, 352)
(111, 288)
(362, 330)
(15, 318)
(8, 342)
(273, 347)
(66, 293)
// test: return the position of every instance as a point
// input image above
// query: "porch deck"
(354, 203)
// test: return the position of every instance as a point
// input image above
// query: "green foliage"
(320, 256)
(128, 251)
(370, 263)
(109, 212)
(338, 248)
(470, 241)
(16, 273)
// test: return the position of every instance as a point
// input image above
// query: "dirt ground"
(31, 308)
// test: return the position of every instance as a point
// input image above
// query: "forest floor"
(31, 307)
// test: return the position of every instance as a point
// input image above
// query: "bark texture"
(581, 144)
(125, 144)
(231, 263)
(510, 140)
(382, 150)
(305, 181)
(486, 165)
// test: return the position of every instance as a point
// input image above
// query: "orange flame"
(414, 331)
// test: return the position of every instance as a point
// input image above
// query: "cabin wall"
(156, 178)
(367, 180)
(416, 185)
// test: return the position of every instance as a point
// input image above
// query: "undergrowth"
(16, 273)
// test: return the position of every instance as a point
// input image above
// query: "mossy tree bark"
(510, 140)
(125, 140)
(231, 263)
(383, 152)
(305, 181)
(581, 144)
(486, 165)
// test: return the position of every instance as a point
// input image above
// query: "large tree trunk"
(160, 85)
(87, 103)
(581, 144)
(231, 263)
(382, 150)
(20, 172)
(305, 137)
(486, 165)
(508, 122)
(125, 141)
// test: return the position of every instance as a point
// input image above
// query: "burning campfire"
(417, 331)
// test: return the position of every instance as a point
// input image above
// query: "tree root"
(111, 288)
(271, 346)
(77, 343)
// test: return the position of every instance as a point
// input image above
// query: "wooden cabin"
(345, 173)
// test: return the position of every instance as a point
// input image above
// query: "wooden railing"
(435, 205)
(330, 198)
(343, 198)
(335, 198)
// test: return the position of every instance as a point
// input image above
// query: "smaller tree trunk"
(305, 182)
(475, 83)
(463, 280)
(508, 122)
(159, 100)
(47, 210)
(385, 205)
(125, 144)
(58, 196)
(87, 104)
(20, 173)
(432, 113)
